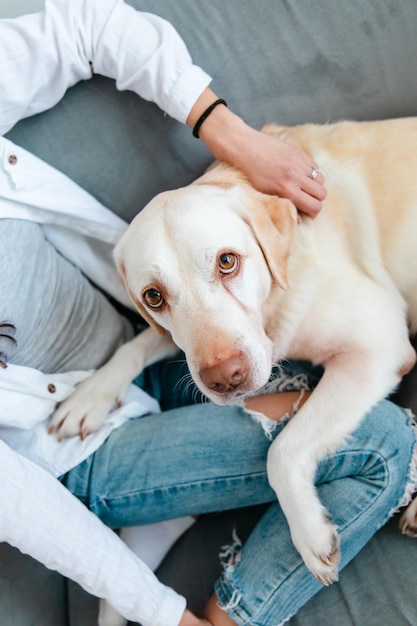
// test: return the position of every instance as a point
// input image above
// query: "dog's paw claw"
(331, 563)
(328, 579)
(322, 553)
(332, 558)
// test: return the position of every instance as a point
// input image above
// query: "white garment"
(41, 518)
(28, 397)
(41, 56)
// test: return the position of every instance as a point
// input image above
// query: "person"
(57, 326)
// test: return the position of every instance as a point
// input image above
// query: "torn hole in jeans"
(230, 555)
(269, 425)
(281, 382)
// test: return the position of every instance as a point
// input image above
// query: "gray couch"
(285, 60)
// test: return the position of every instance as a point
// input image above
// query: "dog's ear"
(273, 221)
(118, 257)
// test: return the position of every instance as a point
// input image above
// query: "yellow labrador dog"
(239, 282)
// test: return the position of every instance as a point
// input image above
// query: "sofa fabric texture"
(274, 60)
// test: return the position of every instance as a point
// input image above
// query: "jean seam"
(383, 463)
(179, 486)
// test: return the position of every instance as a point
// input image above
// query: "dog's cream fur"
(238, 284)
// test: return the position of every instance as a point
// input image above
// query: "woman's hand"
(283, 169)
(271, 165)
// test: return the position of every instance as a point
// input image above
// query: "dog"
(238, 280)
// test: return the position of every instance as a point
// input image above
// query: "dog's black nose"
(227, 375)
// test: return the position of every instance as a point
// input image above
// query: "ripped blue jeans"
(199, 458)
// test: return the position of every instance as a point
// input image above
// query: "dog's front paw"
(408, 520)
(84, 411)
(319, 546)
(312, 532)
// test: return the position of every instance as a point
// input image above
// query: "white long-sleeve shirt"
(41, 56)
(41, 518)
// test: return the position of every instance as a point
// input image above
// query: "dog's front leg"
(86, 408)
(349, 388)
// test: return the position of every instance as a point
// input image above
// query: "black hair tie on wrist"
(205, 115)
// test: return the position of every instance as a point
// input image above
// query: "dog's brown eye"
(153, 298)
(228, 262)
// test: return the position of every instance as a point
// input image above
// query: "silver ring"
(314, 173)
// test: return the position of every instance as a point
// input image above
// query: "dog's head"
(200, 263)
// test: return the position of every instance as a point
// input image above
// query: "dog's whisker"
(183, 381)
(183, 360)
(198, 396)
(186, 382)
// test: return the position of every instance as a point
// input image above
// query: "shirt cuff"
(186, 91)
(171, 609)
